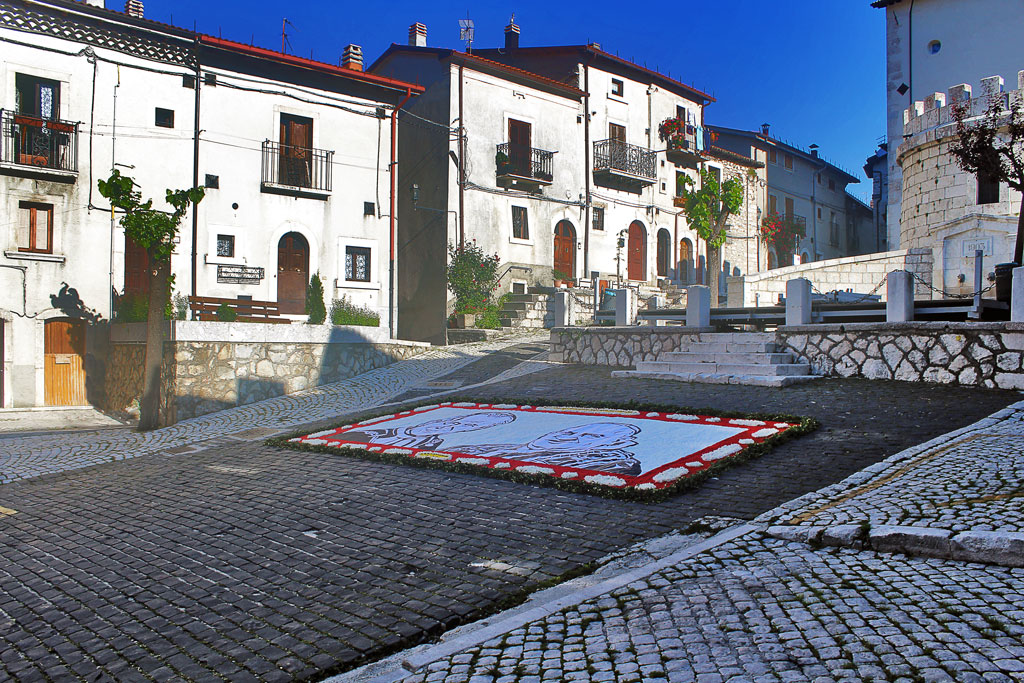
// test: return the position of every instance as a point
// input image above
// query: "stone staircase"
(533, 310)
(726, 358)
(675, 296)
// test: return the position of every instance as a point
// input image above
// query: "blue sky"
(813, 69)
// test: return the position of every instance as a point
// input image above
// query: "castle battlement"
(936, 110)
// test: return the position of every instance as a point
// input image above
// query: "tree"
(472, 276)
(315, 300)
(154, 231)
(707, 209)
(992, 147)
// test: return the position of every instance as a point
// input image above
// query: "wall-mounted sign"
(240, 275)
(973, 244)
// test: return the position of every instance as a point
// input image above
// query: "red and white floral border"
(754, 432)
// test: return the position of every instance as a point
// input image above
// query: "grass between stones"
(803, 425)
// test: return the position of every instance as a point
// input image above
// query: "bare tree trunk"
(1018, 250)
(149, 406)
(714, 272)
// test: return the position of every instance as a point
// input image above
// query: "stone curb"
(403, 664)
(1005, 549)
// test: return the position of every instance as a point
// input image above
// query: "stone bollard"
(698, 306)
(562, 309)
(623, 308)
(654, 303)
(1017, 296)
(798, 302)
(899, 295)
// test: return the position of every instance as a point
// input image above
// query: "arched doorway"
(805, 257)
(773, 261)
(136, 268)
(64, 362)
(686, 269)
(636, 252)
(565, 249)
(664, 246)
(292, 273)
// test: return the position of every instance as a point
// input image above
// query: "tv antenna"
(466, 32)
(285, 43)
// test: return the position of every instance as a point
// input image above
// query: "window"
(357, 264)
(617, 132)
(598, 218)
(773, 156)
(188, 81)
(819, 179)
(209, 79)
(832, 184)
(164, 118)
(833, 229)
(773, 204)
(226, 246)
(617, 87)
(680, 112)
(988, 190)
(520, 223)
(212, 181)
(789, 162)
(369, 208)
(38, 97)
(819, 213)
(35, 227)
(790, 209)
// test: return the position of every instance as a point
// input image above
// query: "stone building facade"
(945, 208)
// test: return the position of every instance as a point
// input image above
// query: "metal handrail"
(523, 161)
(37, 142)
(621, 156)
(297, 166)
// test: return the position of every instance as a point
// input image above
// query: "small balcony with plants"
(522, 165)
(684, 141)
(296, 170)
(615, 160)
(38, 147)
(783, 231)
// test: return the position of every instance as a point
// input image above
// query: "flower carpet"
(578, 447)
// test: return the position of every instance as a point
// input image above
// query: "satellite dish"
(466, 32)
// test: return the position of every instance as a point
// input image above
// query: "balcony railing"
(624, 158)
(521, 161)
(302, 168)
(43, 144)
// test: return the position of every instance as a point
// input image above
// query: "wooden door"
(664, 242)
(565, 248)
(636, 252)
(136, 268)
(296, 151)
(292, 273)
(64, 358)
(520, 147)
(686, 266)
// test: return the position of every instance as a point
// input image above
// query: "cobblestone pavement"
(34, 455)
(758, 609)
(248, 562)
(970, 479)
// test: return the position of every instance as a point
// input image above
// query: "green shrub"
(315, 301)
(132, 308)
(472, 276)
(344, 312)
(226, 314)
(490, 318)
(180, 307)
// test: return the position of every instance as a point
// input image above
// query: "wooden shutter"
(617, 132)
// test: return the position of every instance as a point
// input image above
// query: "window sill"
(617, 98)
(516, 240)
(356, 284)
(35, 256)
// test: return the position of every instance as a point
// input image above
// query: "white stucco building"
(562, 165)
(295, 156)
(931, 45)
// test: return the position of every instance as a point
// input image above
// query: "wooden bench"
(205, 308)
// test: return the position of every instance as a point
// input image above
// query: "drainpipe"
(588, 210)
(195, 170)
(391, 213)
(462, 168)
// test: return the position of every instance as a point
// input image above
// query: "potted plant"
(503, 164)
(561, 279)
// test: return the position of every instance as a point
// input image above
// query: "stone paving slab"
(248, 562)
(761, 609)
(36, 455)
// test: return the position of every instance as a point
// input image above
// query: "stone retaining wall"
(970, 354)
(858, 273)
(208, 368)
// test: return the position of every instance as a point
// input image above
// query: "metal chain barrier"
(858, 300)
(950, 294)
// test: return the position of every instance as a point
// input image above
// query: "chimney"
(133, 8)
(512, 36)
(418, 35)
(352, 58)
(95, 3)
(814, 151)
(764, 129)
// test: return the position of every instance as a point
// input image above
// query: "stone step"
(524, 305)
(529, 298)
(788, 370)
(734, 357)
(526, 322)
(718, 378)
(731, 347)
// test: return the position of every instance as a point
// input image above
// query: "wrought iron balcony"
(685, 145)
(614, 158)
(289, 169)
(521, 163)
(42, 146)
(796, 224)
